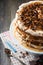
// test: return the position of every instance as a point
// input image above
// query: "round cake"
(27, 26)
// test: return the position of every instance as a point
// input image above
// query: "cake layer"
(27, 27)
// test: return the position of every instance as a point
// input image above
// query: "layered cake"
(28, 25)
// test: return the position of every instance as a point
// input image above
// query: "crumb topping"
(32, 16)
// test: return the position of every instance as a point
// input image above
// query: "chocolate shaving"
(32, 13)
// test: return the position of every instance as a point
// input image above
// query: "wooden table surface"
(7, 13)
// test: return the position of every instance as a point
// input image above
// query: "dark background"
(7, 13)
